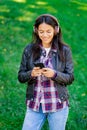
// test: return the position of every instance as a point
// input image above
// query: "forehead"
(44, 26)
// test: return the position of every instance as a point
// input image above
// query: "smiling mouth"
(45, 39)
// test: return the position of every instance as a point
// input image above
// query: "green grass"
(16, 23)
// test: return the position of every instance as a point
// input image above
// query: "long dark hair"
(57, 39)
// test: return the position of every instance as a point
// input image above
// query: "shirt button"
(61, 97)
(32, 99)
(53, 54)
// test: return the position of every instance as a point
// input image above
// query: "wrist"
(55, 75)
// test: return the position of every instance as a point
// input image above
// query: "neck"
(46, 45)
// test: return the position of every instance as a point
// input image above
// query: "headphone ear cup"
(35, 30)
(56, 30)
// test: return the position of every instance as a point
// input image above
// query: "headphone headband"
(49, 15)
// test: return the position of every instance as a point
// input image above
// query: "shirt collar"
(53, 48)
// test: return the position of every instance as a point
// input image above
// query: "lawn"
(16, 24)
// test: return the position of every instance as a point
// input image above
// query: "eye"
(41, 32)
(48, 31)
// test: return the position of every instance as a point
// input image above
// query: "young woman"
(47, 68)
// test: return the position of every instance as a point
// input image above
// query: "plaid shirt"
(45, 92)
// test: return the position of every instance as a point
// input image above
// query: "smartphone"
(41, 65)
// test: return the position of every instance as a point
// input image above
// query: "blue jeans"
(35, 120)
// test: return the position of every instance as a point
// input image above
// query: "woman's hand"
(36, 72)
(48, 72)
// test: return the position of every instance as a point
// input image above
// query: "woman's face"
(46, 34)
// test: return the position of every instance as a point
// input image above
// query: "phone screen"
(41, 65)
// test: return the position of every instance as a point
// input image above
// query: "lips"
(45, 39)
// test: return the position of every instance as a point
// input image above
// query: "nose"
(44, 34)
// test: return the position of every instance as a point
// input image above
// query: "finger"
(44, 69)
